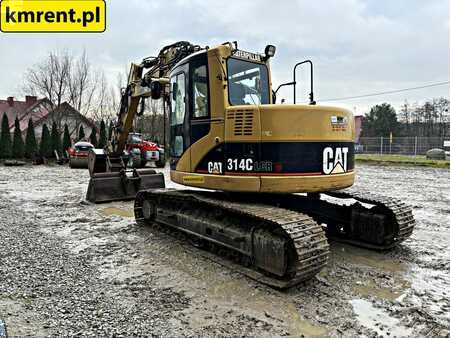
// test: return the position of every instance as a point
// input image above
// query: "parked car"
(142, 152)
(78, 154)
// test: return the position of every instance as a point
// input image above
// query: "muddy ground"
(72, 268)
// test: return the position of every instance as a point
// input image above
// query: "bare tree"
(442, 106)
(49, 77)
(82, 82)
(63, 77)
(104, 107)
(405, 116)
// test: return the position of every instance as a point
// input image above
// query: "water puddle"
(235, 292)
(367, 258)
(300, 327)
(111, 211)
(369, 288)
(378, 320)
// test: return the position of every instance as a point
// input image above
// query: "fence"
(399, 145)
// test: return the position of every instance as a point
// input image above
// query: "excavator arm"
(110, 178)
(129, 104)
(154, 83)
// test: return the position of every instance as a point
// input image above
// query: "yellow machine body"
(256, 146)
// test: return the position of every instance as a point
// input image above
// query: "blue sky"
(357, 46)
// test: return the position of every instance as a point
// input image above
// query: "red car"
(78, 154)
(141, 152)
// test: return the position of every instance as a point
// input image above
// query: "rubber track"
(402, 212)
(308, 237)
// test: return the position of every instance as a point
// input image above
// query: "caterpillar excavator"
(274, 179)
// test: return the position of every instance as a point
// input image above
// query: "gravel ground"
(69, 268)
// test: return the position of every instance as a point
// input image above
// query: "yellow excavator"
(274, 178)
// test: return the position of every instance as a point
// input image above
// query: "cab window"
(178, 99)
(178, 112)
(248, 82)
(200, 88)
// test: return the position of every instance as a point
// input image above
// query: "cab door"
(200, 117)
(207, 128)
(179, 120)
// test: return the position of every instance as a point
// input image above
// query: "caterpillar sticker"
(193, 179)
(335, 160)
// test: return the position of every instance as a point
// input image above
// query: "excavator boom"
(110, 179)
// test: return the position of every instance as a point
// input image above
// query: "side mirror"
(174, 91)
(156, 89)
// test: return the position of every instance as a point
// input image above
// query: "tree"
(93, 137)
(67, 142)
(55, 139)
(63, 76)
(81, 134)
(30, 141)
(82, 84)
(103, 105)
(18, 148)
(443, 107)
(110, 130)
(380, 121)
(103, 137)
(5, 138)
(405, 118)
(46, 143)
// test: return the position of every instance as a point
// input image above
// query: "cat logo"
(335, 161)
(215, 168)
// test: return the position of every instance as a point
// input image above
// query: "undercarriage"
(277, 239)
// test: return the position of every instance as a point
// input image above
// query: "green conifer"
(55, 140)
(93, 137)
(103, 137)
(45, 148)
(18, 148)
(81, 134)
(5, 138)
(30, 141)
(67, 142)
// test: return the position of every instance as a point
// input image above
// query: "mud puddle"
(111, 211)
(378, 320)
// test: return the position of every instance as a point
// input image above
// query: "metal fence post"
(381, 148)
(415, 149)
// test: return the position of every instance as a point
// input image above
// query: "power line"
(387, 92)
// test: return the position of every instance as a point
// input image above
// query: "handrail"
(311, 94)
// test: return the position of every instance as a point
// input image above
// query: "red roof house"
(24, 110)
(41, 111)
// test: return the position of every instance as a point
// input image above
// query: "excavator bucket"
(108, 185)
(123, 185)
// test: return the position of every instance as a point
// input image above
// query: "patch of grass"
(401, 160)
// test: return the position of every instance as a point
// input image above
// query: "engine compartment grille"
(243, 121)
